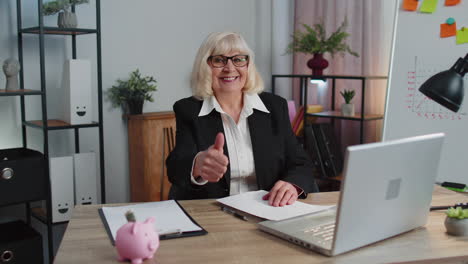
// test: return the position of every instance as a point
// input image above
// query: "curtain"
(370, 24)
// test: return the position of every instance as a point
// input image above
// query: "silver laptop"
(386, 190)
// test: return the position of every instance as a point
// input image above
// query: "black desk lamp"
(446, 88)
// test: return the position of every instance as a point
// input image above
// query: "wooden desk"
(231, 240)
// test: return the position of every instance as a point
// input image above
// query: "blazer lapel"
(210, 125)
(260, 134)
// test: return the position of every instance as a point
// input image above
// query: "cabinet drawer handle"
(6, 256)
(7, 173)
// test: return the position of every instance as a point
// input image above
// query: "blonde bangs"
(231, 43)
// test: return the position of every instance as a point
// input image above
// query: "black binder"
(313, 150)
(161, 237)
(322, 147)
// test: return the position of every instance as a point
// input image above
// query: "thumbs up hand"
(211, 164)
(219, 142)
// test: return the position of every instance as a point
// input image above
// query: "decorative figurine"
(11, 67)
(136, 241)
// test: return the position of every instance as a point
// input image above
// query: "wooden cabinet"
(151, 136)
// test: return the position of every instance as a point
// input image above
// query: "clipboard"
(165, 236)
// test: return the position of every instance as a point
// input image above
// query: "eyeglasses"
(219, 61)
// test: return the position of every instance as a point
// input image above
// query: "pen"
(444, 207)
(171, 233)
(234, 213)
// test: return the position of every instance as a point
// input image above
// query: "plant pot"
(135, 107)
(317, 64)
(67, 19)
(456, 227)
(347, 109)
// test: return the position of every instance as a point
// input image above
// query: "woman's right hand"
(211, 164)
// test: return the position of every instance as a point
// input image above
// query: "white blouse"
(238, 142)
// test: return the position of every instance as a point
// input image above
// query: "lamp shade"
(445, 88)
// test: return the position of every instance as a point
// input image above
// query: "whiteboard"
(418, 52)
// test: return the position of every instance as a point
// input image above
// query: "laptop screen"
(387, 189)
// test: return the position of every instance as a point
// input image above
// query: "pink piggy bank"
(136, 241)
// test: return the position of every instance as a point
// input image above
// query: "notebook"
(252, 204)
(386, 190)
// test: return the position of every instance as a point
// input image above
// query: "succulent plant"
(348, 95)
(457, 213)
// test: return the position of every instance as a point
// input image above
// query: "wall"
(160, 38)
(282, 63)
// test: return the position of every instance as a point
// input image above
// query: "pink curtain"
(365, 26)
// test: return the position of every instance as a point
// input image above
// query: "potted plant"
(132, 93)
(315, 41)
(456, 221)
(66, 18)
(347, 108)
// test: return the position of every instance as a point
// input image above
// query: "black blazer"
(277, 154)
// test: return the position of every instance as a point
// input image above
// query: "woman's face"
(230, 78)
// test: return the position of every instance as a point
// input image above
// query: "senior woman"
(232, 137)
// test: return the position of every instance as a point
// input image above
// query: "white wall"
(389, 7)
(160, 38)
(282, 63)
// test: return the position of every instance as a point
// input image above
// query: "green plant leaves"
(53, 7)
(458, 213)
(314, 40)
(136, 88)
(348, 95)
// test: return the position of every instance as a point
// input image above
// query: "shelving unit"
(361, 117)
(19, 92)
(332, 183)
(41, 31)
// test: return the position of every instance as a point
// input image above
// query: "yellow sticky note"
(462, 35)
(428, 6)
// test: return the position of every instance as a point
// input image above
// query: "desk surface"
(231, 240)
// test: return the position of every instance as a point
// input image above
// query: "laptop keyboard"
(323, 233)
(314, 231)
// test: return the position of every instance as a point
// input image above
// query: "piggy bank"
(136, 241)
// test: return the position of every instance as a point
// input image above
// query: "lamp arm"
(461, 66)
(465, 65)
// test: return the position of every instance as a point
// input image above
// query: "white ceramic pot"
(67, 19)
(456, 227)
(347, 109)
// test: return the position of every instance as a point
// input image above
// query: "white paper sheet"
(168, 216)
(252, 203)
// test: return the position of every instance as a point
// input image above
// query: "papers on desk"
(169, 217)
(252, 203)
